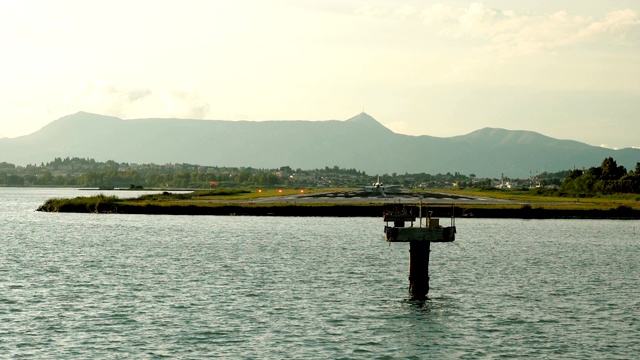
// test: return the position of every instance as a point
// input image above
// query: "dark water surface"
(111, 286)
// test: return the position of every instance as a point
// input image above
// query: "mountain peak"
(363, 118)
(83, 115)
(366, 120)
(360, 142)
(75, 123)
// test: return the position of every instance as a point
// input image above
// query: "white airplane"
(378, 186)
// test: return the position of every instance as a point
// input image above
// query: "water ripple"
(116, 286)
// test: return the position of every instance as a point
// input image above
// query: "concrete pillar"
(419, 269)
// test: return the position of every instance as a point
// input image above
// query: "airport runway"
(377, 198)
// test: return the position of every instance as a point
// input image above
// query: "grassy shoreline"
(240, 202)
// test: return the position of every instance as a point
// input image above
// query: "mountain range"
(360, 142)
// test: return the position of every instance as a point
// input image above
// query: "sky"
(563, 68)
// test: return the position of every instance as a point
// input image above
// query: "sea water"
(139, 286)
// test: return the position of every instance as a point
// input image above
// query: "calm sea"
(135, 286)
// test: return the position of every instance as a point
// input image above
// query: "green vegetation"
(80, 172)
(204, 203)
(609, 178)
(238, 202)
(606, 187)
(199, 198)
(550, 201)
(88, 173)
(603, 192)
(600, 188)
(98, 204)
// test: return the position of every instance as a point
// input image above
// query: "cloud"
(370, 11)
(510, 34)
(438, 13)
(102, 98)
(127, 102)
(116, 101)
(606, 146)
(615, 22)
(404, 12)
(477, 15)
(188, 105)
(493, 36)
(482, 37)
(135, 95)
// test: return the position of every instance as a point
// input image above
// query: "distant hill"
(360, 142)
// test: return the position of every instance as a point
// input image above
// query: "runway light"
(280, 191)
(259, 190)
(301, 191)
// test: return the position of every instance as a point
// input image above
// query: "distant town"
(82, 172)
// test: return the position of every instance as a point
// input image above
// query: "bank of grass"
(550, 200)
(238, 201)
(197, 199)
(193, 204)
(99, 204)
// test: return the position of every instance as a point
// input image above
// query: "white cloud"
(282, 59)
(476, 36)
(138, 94)
(480, 21)
(188, 105)
(103, 98)
(554, 30)
(477, 15)
(405, 12)
(615, 22)
(497, 35)
(126, 102)
(370, 11)
(617, 26)
(438, 13)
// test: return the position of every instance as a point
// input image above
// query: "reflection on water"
(113, 285)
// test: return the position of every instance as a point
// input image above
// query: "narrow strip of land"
(340, 203)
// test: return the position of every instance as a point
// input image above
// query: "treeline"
(81, 172)
(609, 178)
(142, 178)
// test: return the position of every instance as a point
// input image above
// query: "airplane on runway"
(380, 187)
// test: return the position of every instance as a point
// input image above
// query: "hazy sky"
(565, 68)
